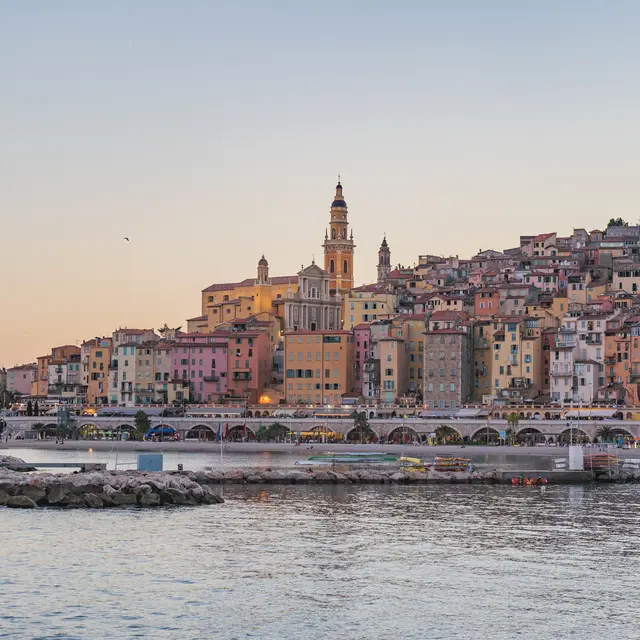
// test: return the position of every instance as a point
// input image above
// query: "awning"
(450, 413)
(471, 413)
(591, 413)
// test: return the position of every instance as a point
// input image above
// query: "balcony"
(610, 360)
(212, 378)
(241, 376)
(482, 343)
(520, 383)
(595, 339)
(113, 365)
(560, 373)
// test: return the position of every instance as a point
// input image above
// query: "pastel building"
(362, 352)
(20, 378)
(249, 362)
(319, 366)
(199, 364)
(368, 303)
(96, 358)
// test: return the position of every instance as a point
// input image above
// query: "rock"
(416, 476)
(106, 499)
(338, 478)
(35, 493)
(142, 489)
(4, 496)
(210, 496)
(234, 477)
(149, 499)
(398, 476)
(178, 496)
(76, 501)
(57, 495)
(298, 477)
(323, 477)
(21, 502)
(254, 478)
(93, 501)
(119, 499)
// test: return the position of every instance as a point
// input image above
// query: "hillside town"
(553, 321)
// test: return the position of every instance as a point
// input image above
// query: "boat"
(600, 461)
(451, 464)
(359, 458)
(413, 464)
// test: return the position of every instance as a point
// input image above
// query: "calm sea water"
(331, 562)
(264, 459)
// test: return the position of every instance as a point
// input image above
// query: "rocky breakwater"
(102, 489)
(324, 476)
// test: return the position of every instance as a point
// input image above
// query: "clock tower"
(338, 246)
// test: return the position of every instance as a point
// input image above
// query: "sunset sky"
(210, 132)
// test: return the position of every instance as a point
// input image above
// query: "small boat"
(451, 464)
(357, 458)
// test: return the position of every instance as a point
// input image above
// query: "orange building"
(319, 366)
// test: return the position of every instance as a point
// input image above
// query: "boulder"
(323, 477)
(176, 496)
(76, 501)
(142, 489)
(210, 496)
(235, 476)
(298, 477)
(57, 495)
(254, 478)
(149, 499)
(93, 501)
(398, 476)
(119, 499)
(35, 493)
(106, 499)
(4, 496)
(338, 478)
(21, 502)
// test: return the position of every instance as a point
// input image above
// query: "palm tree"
(605, 433)
(361, 424)
(512, 420)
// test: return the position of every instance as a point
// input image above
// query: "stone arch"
(629, 415)
(237, 431)
(547, 415)
(403, 434)
(619, 432)
(372, 415)
(201, 432)
(250, 414)
(575, 435)
(530, 435)
(486, 434)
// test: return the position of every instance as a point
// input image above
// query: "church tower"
(263, 271)
(338, 246)
(384, 261)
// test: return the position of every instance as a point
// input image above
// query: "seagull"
(127, 239)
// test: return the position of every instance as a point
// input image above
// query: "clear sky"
(210, 132)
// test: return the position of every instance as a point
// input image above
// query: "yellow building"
(231, 300)
(483, 358)
(97, 374)
(393, 368)
(367, 304)
(411, 327)
(318, 366)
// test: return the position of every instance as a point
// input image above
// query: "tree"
(362, 426)
(446, 434)
(221, 400)
(512, 420)
(36, 409)
(142, 422)
(29, 408)
(167, 332)
(605, 433)
(617, 222)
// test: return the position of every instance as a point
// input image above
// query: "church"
(311, 300)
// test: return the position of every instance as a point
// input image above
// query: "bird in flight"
(127, 239)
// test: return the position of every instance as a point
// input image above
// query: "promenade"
(260, 447)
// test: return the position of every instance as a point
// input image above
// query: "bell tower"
(384, 261)
(338, 246)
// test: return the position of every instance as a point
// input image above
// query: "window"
(332, 265)
(345, 267)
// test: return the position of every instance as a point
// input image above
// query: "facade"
(367, 304)
(20, 378)
(393, 368)
(362, 352)
(96, 359)
(339, 246)
(313, 307)
(319, 366)
(249, 362)
(448, 361)
(199, 366)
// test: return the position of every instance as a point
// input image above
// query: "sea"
(319, 562)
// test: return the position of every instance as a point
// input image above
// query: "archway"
(447, 435)
(239, 433)
(486, 435)
(403, 435)
(530, 436)
(250, 414)
(573, 435)
(275, 432)
(201, 432)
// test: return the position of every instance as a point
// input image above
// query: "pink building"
(362, 351)
(19, 379)
(201, 359)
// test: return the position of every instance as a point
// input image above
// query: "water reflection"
(336, 561)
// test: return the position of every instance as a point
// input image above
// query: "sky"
(211, 132)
